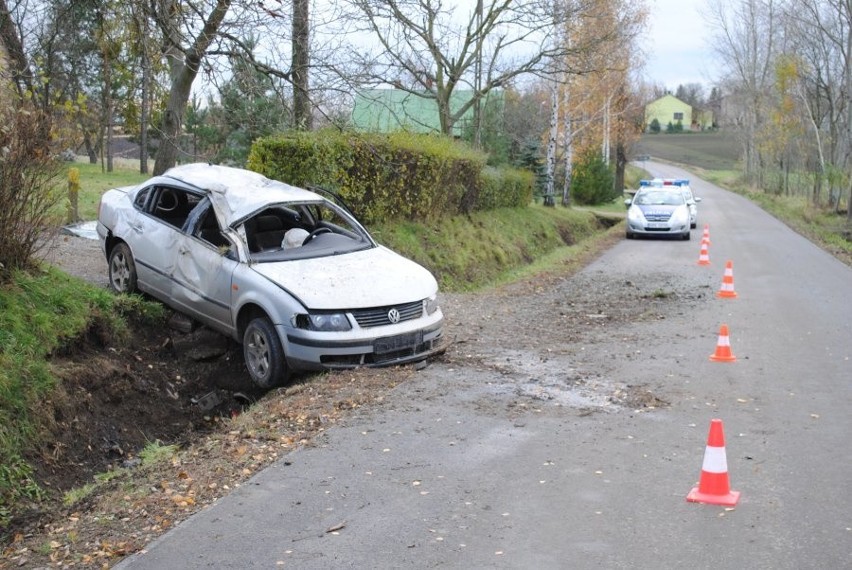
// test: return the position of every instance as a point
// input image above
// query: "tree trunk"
(108, 111)
(568, 147)
(184, 65)
(144, 111)
(167, 152)
(302, 116)
(15, 51)
(551, 146)
(92, 150)
(620, 165)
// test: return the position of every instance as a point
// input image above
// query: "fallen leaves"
(125, 514)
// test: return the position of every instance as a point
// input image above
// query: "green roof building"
(390, 110)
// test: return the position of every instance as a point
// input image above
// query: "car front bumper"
(639, 229)
(308, 350)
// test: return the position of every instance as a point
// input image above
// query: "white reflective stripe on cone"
(715, 460)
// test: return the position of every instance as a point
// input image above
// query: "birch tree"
(589, 116)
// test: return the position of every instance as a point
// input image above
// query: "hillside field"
(718, 150)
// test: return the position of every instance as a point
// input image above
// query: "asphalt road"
(457, 471)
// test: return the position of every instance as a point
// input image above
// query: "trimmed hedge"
(394, 176)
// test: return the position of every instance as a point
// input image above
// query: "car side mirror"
(697, 199)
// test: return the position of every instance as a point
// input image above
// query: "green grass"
(94, 182)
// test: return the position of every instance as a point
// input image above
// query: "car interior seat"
(269, 232)
(210, 231)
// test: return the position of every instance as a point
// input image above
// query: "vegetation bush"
(389, 176)
(505, 188)
(29, 193)
(674, 128)
(592, 181)
(654, 127)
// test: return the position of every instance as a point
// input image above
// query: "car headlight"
(430, 305)
(326, 322)
(635, 215)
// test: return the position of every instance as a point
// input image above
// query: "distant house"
(669, 109)
(389, 110)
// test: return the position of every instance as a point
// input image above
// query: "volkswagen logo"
(393, 316)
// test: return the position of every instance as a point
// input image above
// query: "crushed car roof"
(236, 193)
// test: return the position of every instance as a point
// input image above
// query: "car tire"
(686, 236)
(122, 269)
(692, 226)
(629, 235)
(264, 354)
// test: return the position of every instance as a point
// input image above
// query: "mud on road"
(190, 390)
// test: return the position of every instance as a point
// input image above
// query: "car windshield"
(659, 198)
(302, 230)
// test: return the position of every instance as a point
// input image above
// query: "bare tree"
(746, 34)
(188, 35)
(430, 50)
(598, 94)
(821, 36)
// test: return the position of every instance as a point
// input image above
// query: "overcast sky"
(679, 47)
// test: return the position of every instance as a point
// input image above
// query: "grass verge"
(469, 252)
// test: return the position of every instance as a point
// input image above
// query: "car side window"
(173, 205)
(142, 198)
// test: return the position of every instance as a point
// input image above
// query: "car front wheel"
(263, 354)
(122, 270)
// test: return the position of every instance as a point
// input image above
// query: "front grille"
(378, 316)
(661, 217)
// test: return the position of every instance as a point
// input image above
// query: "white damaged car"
(286, 272)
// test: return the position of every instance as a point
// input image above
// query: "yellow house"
(668, 109)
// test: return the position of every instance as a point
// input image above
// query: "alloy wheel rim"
(258, 355)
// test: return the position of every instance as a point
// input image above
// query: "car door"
(204, 263)
(152, 242)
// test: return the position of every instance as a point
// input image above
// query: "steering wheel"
(314, 234)
(168, 201)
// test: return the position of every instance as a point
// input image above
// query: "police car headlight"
(635, 215)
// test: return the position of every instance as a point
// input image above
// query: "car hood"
(658, 210)
(376, 277)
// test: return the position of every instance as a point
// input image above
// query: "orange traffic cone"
(713, 487)
(727, 289)
(723, 347)
(703, 256)
(705, 237)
